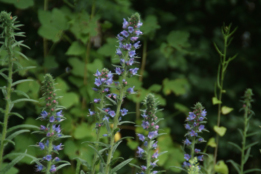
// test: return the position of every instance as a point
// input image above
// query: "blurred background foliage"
(72, 39)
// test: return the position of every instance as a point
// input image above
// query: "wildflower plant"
(52, 116)
(149, 152)
(245, 149)
(107, 114)
(195, 125)
(10, 51)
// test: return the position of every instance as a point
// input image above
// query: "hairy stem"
(8, 96)
(45, 43)
(244, 141)
(148, 157)
(49, 150)
(192, 148)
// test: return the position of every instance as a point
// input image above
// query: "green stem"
(49, 150)
(45, 43)
(116, 119)
(192, 148)
(78, 167)
(8, 96)
(98, 133)
(148, 157)
(244, 141)
(223, 60)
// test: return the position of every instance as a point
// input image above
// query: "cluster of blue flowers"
(52, 130)
(194, 125)
(149, 124)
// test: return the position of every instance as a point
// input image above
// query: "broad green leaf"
(132, 144)
(50, 62)
(83, 130)
(109, 49)
(221, 167)
(76, 49)
(69, 99)
(119, 166)
(49, 32)
(177, 86)
(211, 142)
(77, 66)
(155, 88)
(181, 108)
(178, 39)
(96, 64)
(21, 4)
(226, 110)
(166, 49)
(150, 25)
(220, 130)
(215, 101)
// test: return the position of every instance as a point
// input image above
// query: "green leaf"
(177, 86)
(62, 165)
(221, 167)
(215, 101)
(134, 165)
(22, 126)
(150, 25)
(10, 137)
(76, 49)
(21, 4)
(13, 170)
(155, 88)
(77, 66)
(119, 166)
(226, 110)
(250, 145)
(21, 93)
(247, 155)
(178, 39)
(50, 62)
(132, 144)
(252, 170)
(24, 100)
(16, 114)
(21, 81)
(82, 131)
(220, 130)
(236, 146)
(219, 52)
(96, 64)
(235, 165)
(9, 141)
(181, 108)
(211, 142)
(69, 99)
(97, 154)
(11, 164)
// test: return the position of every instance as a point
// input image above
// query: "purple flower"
(125, 33)
(133, 71)
(154, 145)
(204, 113)
(58, 147)
(105, 118)
(116, 83)
(191, 116)
(186, 164)
(193, 133)
(157, 127)
(47, 143)
(139, 24)
(145, 124)
(39, 168)
(154, 172)
(91, 112)
(200, 140)
(152, 134)
(98, 82)
(109, 75)
(128, 47)
(132, 53)
(197, 150)
(153, 164)
(111, 113)
(118, 71)
(118, 52)
(186, 157)
(114, 95)
(143, 168)
(97, 74)
(201, 118)
(53, 169)
(42, 127)
(187, 126)
(144, 115)
(56, 159)
(95, 89)
(136, 45)
(130, 62)
(140, 151)
(130, 29)
(122, 61)
(106, 109)
(187, 142)
(52, 119)
(131, 90)
(96, 100)
(155, 155)
(200, 158)
(133, 39)
(59, 113)
(201, 127)
(47, 158)
(105, 135)
(57, 129)
(109, 81)
(141, 137)
(124, 111)
(41, 145)
(106, 90)
(145, 143)
(44, 114)
(138, 32)
(109, 95)
(125, 23)
(120, 38)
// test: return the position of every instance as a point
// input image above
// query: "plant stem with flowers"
(149, 124)
(194, 125)
(52, 130)
(127, 52)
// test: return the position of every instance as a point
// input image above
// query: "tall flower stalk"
(9, 46)
(245, 149)
(149, 152)
(128, 43)
(52, 130)
(224, 62)
(195, 125)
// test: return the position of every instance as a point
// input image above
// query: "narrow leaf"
(134, 165)
(119, 166)
(11, 164)
(252, 170)
(111, 100)
(9, 141)
(62, 165)
(97, 154)
(21, 81)
(219, 52)
(24, 100)
(247, 155)
(10, 137)
(22, 126)
(16, 114)
(235, 165)
(250, 145)
(236, 146)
